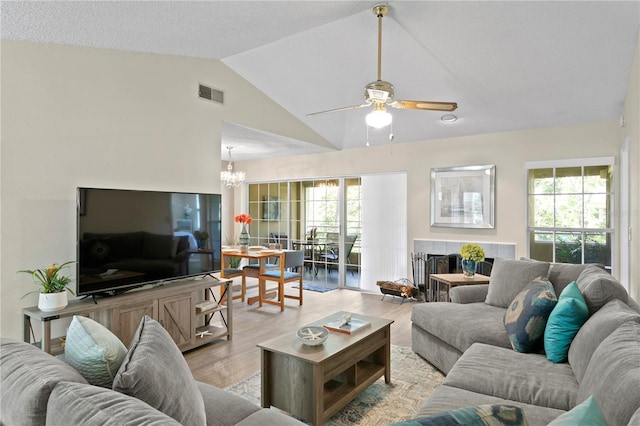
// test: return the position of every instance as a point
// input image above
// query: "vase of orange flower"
(245, 220)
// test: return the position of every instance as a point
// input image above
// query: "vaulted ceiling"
(509, 65)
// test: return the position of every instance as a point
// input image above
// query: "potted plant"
(201, 237)
(471, 255)
(53, 286)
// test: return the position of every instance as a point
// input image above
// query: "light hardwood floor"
(226, 362)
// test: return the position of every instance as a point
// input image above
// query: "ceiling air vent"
(210, 94)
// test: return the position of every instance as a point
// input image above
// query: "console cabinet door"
(177, 316)
(126, 318)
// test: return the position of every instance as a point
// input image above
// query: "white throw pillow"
(94, 351)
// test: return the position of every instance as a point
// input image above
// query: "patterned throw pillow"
(526, 317)
(94, 351)
(564, 323)
(490, 415)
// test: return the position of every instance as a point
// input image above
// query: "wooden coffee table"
(314, 382)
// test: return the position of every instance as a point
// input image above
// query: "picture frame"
(271, 208)
(463, 197)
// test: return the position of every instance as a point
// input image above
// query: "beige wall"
(76, 116)
(508, 151)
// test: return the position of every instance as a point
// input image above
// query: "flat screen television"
(129, 238)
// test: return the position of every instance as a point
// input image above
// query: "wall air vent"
(210, 94)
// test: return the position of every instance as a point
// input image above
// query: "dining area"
(266, 264)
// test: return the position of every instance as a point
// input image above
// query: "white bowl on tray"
(312, 335)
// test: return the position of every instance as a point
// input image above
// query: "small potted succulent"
(471, 255)
(53, 286)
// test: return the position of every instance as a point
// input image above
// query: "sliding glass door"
(341, 224)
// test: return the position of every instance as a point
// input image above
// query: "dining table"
(261, 254)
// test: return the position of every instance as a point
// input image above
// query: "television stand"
(173, 305)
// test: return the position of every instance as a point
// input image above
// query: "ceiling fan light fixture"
(378, 118)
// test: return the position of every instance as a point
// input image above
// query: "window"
(569, 211)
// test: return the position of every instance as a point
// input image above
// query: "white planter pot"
(49, 302)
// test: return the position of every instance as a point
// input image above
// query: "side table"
(450, 280)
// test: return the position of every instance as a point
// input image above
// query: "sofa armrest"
(222, 407)
(469, 293)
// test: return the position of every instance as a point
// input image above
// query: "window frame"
(583, 163)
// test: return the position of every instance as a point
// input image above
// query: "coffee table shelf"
(338, 393)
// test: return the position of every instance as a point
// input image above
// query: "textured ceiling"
(508, 65)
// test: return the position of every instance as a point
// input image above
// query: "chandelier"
(229, 177)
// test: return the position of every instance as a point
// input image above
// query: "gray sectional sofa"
(467, 341)
(153, 386)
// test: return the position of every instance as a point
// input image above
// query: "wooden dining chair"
(289, 270)
(232, 273)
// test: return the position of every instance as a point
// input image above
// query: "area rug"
(315, 287)
(412, 380)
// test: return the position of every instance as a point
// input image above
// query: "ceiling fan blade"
(339, 109)
(427, 105)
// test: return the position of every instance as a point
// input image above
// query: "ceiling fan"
(379, 93)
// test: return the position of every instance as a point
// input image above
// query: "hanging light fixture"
(379, 117)
(229, 177)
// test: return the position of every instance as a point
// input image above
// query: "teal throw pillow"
(527, 315)
(481, 415)
(563, 324)
(94, 351)
(587, 413)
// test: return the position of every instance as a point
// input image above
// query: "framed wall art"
(271, 208)
(463, 197)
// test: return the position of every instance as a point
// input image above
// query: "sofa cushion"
(81, 404)
(155, 372)
(563, 274)
(504, 373)
(445, 398)
(587, 413)
(613, 375)
(462, 325)
(27, 377)
(598, 287)
(595, 330)
(490, 415)
(509, 277)
(564, 322)
(94, 351)
(526, 316)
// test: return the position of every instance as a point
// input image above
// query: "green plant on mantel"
(472, 252)
(49, 279)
